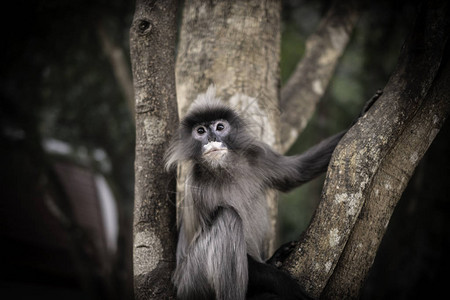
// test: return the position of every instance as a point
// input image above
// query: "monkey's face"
(212, 136)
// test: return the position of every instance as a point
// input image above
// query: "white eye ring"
(220, 127)
(200, 130)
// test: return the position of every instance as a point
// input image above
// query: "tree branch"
(310, 79)
(385, 191)
(372, 165)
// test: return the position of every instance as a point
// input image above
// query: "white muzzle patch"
(214, 152)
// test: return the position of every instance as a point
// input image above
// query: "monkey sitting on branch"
(224, 220)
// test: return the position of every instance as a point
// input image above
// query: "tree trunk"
(152, 43)
(236, 46)
(373, 163)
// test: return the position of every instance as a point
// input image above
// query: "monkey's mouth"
(214, 147)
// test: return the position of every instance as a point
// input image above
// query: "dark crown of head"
(209, 114)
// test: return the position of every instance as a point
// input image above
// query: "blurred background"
(67, 150)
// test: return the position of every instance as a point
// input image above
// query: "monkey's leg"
(227, 255)
(190, 273)
(215, 260)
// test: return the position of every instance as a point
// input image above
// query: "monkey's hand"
(368, 105)
(370, 102)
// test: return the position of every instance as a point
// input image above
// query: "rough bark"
(234, 45)
(386, 189)
(308, 83)
(373, 163)
(152, 43)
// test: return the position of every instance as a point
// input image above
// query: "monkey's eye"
(220, 127)
(201, 130)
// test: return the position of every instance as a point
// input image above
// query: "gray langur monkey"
(224, 220)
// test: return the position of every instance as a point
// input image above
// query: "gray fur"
(224, 214)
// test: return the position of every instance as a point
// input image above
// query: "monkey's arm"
(287, 172)
(216, 260)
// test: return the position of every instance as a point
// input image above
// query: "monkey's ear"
(181, 148)
(172, 156)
